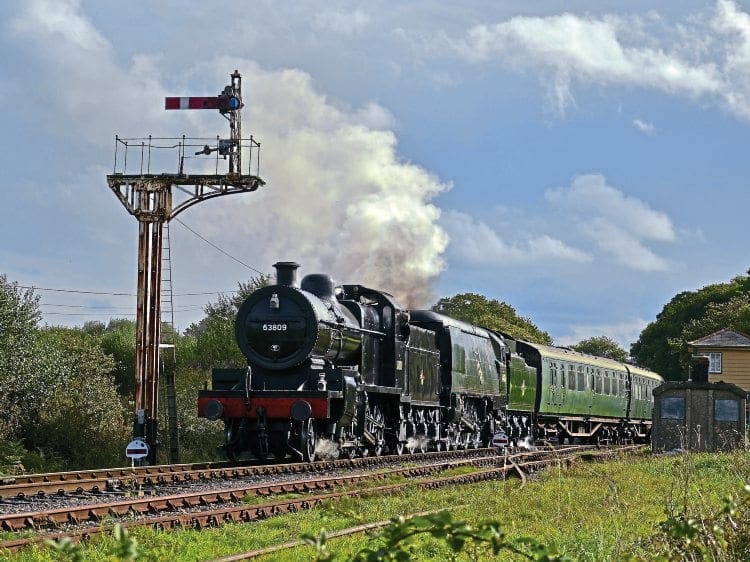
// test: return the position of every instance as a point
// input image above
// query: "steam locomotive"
(349, 371)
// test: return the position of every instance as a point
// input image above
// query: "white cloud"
(60, 21)
(476, 242)
(596, 220)
(588, 49)
(624, 333)
(644, 126)
(705, 57)
(617, 223)
(623, 245)
(342, 22)
(85, 92)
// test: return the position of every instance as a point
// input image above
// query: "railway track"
(148, 479)
(251, 502)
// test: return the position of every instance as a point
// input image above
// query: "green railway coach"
(580, 396)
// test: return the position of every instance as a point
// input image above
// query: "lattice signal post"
(154, 199)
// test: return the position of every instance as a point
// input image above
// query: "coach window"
(571, 377)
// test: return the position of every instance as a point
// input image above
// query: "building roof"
(723, 338)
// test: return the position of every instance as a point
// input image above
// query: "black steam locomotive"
(349, 371)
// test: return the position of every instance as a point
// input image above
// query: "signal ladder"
(167, 319)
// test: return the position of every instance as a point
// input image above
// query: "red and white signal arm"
(136, 450)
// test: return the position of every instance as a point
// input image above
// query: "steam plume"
(339, 200)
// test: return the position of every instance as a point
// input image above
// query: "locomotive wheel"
(308, 440)
(376, 427)
(397, 443)
(465, 440)
(231, 454)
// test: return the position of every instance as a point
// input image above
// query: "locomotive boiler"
(347, 370)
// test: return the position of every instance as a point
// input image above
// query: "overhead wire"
(250, 267)
(122, 294)
(77, 291)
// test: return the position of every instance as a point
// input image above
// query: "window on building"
(714, 362)
(673, 408)
(727, 410)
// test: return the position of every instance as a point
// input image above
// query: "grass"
(591, 511)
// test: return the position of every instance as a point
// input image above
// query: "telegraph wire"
(89, 314)
(183, 308)
(119, 294)
(76, 291)
(250, 267)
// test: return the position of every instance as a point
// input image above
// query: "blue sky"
(582, 161)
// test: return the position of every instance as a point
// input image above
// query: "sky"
(583, 161)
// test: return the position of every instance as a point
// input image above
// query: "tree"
(83, 419)
(662, 346)
(492, 314)
(19, 314)
(118, 340)
(601, 346)
(215, 343)
(733, 314)
(207, 344)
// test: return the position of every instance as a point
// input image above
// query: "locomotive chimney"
(286, 273)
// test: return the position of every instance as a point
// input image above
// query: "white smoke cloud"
(339, 198)
(354, 208)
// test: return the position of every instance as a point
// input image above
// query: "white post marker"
(136, 450)
(500, 440)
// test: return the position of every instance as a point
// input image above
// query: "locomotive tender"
(348, 370)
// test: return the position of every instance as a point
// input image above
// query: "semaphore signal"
(150, 198)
